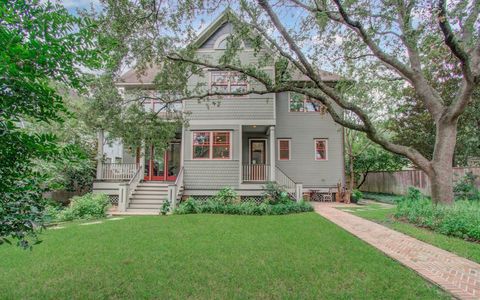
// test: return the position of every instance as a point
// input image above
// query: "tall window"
(284, 149)
(211, 145)
(301, 103)
(321, 149)
(228, 82)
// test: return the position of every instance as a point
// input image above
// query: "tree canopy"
(40, 43)
(381, 46)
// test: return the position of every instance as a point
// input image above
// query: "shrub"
(191, 206)
(275, 193)
(165, 207)
(466, 189)
(88, 206)
(356, 195)
(461, 219)
(226, 196)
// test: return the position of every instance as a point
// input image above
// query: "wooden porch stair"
(148, 197)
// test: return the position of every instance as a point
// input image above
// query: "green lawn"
(300, 256)
(374, 212)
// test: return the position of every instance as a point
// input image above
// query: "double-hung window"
(228, 82)
(211, 145)
(321, 149)
(301, 103)
(284, 149)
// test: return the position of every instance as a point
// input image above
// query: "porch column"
(99, 153)
(142, 158)
(272, 153)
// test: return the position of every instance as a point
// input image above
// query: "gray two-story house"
(241, 143)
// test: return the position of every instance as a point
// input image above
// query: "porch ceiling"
(255, 128)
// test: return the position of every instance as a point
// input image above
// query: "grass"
(300, 256)
(379, 214)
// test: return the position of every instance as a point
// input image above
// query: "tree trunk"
(352, 174)
(442, 185)
(441, 173)
(363, 179)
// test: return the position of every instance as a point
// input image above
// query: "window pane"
(201, 151)
(221, 152)
(221, 138)
(313, 105)
(238, 88)
(284, 155)
(320, 150)
(296, 102)
(284, 144)
(201, 138)
(220, 78)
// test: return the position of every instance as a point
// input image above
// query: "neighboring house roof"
(133, 77)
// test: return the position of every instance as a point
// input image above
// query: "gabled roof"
(135, 78)
(145, 78)
(214, 26)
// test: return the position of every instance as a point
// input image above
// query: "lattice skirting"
(256, 199)
(203, 198)
(113, 199)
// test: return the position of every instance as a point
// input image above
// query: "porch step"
(149, 192)
(149, 196)
(147, 206)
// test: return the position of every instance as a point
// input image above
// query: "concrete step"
(140, 212)
(147, 201)
(145, 206)
(150, 192)
(149, 197)
(153, 183)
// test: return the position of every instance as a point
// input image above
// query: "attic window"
(222, 44)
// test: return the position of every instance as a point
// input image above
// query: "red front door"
(162, 165)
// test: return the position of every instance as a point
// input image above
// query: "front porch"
(257, 155)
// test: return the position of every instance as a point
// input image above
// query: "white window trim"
(210, 83)
(289, 149)
(210, 145)
(315, 149)
(305, 99)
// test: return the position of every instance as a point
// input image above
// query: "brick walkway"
(455, 274)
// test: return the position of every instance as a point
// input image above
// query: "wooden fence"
(399, 182)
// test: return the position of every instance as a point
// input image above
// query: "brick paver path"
(455, 274)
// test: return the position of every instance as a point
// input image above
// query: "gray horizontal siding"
(302, 129)
(212, 174)
(246, 108)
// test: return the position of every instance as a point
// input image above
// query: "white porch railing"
(126, 189)
(174, 189)
(118, 171)
(293, 188)
(256, 173)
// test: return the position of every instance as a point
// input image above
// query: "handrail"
(255, 172)
(118, 171)
(282, 179)
(174, 189)
(294, 189)
(126, 189)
